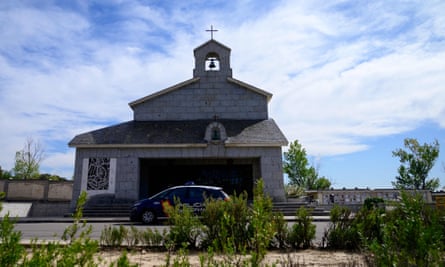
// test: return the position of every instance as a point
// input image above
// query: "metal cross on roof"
(211, 31)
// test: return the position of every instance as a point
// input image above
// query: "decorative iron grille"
(98, 174)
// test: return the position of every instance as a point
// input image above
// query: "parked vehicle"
(151, 209)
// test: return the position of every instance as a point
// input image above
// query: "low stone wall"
(36, 190)
(50, 209)
(47, 198)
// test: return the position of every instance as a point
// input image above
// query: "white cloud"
(58, 163)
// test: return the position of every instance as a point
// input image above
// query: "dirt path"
(300, 258)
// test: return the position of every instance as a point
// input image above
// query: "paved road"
(50, 231)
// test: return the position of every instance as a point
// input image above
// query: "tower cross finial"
(211, 31)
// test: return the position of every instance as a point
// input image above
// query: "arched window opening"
(212, 62)
(215, 133)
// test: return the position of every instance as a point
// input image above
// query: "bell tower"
(212, 59)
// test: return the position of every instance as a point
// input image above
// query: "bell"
(212, 64)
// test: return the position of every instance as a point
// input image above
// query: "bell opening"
(212, 64)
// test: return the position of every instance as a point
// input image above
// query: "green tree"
(5, 174)
(51, 177)
(322, 183)
(300, 172)
(27, 160)
(416, 162)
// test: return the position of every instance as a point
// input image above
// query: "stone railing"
(358, 196)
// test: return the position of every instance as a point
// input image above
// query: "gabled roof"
(211, 41)
(250, 87)
(181, 133)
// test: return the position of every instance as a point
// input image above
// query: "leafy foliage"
(412, 235)
(282, 233)
(5, 174)
(342, 232)
(51, 177)
(226, 224)
(303, 231)
(299, 171)
(27, 160)
(416, 163)
(10, 249)
(185, 227)
(262, 224)
(78, 249)
(369, 221)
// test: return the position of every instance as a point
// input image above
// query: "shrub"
(123, 261)
(211, 219)
(282, 233)
(412, 235)
(226, 224)
(132, 236)
(303, 231)
(342, 232)
(372, 203)
(79, 249)
(261, 224)
(10, 249)
(112, 236)
(185, 227)
(369, 222)
(236, 229)
(152, 238)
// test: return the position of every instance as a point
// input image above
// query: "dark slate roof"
(239, 132)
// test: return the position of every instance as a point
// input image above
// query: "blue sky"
(350, 79)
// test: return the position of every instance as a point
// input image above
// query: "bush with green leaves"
(226, 224)
(237, 229)
(10, 249)
(261, 224)
(185, 226)
(113, 236)
(303, 231)
(412, 235)
(369, 221)
(342, 232)
(78, 249)
(153, 238)
(282, 232)
(373, 202)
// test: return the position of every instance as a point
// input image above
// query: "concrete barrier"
(36, 190)
(36, 198)
(26, 191)
(60, 191)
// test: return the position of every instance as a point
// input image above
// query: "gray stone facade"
(204, 98)
(209, 121)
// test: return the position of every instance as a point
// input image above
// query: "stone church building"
(211, 129)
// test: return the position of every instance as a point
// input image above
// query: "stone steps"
(123, 210)
(111, 210)
(291, 208)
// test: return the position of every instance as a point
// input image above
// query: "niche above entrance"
(215, 133)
